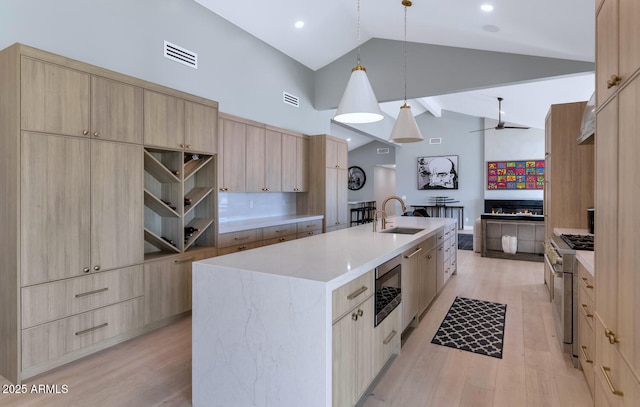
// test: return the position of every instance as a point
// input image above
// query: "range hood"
(588, 125)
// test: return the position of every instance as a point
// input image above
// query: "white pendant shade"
(358, 103)
(405, 130)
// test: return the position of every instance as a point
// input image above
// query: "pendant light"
(358, 103)
(405, 130)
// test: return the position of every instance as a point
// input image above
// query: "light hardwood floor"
(155, 369)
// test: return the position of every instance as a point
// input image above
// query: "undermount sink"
(402, 231)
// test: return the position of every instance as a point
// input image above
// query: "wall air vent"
(289, 99)
(181, 55)
(435, 140)
(383, 150)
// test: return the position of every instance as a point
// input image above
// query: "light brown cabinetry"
(410, 285)
(586, 336)
(353, 343)
(295, 160)
(427, 269)
(74, 205)
(65, 101)
(264, 160)
(232, 145)
(328, 188)
(617, 285)
(175, 123)
(387, 340)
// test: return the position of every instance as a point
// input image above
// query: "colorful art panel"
(523, 174)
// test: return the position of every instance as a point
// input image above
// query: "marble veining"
(262, 319)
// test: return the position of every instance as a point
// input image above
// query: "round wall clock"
(357, 178)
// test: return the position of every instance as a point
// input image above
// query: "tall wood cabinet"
(617, 259)
(328, 187)
(569, 172)
(77, 191)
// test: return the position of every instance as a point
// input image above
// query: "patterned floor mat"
(474, 326)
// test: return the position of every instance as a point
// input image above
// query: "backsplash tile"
(242, 206)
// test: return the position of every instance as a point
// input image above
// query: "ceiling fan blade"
(516, 127)
(475, 131)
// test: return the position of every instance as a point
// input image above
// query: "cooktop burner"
(579, 242)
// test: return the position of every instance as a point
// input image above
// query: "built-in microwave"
(388, 289)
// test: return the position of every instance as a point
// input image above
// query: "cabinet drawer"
(621, 387)
(308, 233)
(303, 227)
(586, 350)
(351, 294)
(55, 339)
(586, 281)
(47, 302)
(279, 231)
(239, 238)
(239, 248)
(387, 340)
(277, 240)
(585, 306)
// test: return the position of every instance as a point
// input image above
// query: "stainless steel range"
(560, 256)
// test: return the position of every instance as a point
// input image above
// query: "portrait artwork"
(438, 172)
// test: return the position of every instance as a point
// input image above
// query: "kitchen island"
(262, 319)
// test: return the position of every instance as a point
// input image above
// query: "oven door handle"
(556, 273)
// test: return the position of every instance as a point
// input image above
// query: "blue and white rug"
(474, 326)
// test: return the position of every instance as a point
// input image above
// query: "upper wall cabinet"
(65, 101)
(264, 160)
(232, 145)
(295, 162)
(175, 123)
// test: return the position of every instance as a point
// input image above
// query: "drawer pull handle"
(92, 292)
(586, 311)
(357, 293)
(585, 354)
(586, 282)
(92, 329)
(389, 338)
(612, 337)
(615, 80)
(241, 238)
(354, 316)
(184, 260)
(419, 249)
(605, 372)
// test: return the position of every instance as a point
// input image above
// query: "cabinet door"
(427, 278)
(409, 283)
(163, 120)
(331, 214)
(167, 289)
(628, 293)
(256, 158)
(55, 206)
(289, 163)
(54, 99)
(628, 37)
(117, 226)
(343, 363)
(439, 267)
(342, 209)
(302, 164)
(606, 50)
(200, 127)
(606, 222)
(116, 111)
(232, 147)
(273, 161)
(364, 340)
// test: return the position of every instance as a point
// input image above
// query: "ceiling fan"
(501, 124)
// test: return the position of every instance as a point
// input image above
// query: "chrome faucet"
(384, 214)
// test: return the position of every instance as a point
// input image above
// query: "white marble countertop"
(587, 259)
(246, 224)
(334, 258)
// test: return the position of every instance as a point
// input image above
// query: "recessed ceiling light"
(348, 139)
(486, 7)
(299, 24)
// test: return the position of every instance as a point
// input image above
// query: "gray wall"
(241, 72)
(367, 158)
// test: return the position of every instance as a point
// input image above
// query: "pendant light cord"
(358, 36)
(405, 54)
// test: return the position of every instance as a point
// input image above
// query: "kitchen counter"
(587, 260)
(262, 319)
(246, 224)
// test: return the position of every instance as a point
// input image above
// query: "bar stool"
(369, 211)
(359, 216)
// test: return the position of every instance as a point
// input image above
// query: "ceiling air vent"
(383, 150)
(435, 140)
(181, 55)
(289, 99)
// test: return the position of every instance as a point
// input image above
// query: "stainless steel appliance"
(388, 288)
(560, 256)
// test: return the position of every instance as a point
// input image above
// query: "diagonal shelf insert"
(196, 195)
(158, 170)
(158, 206)
(159, 242)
